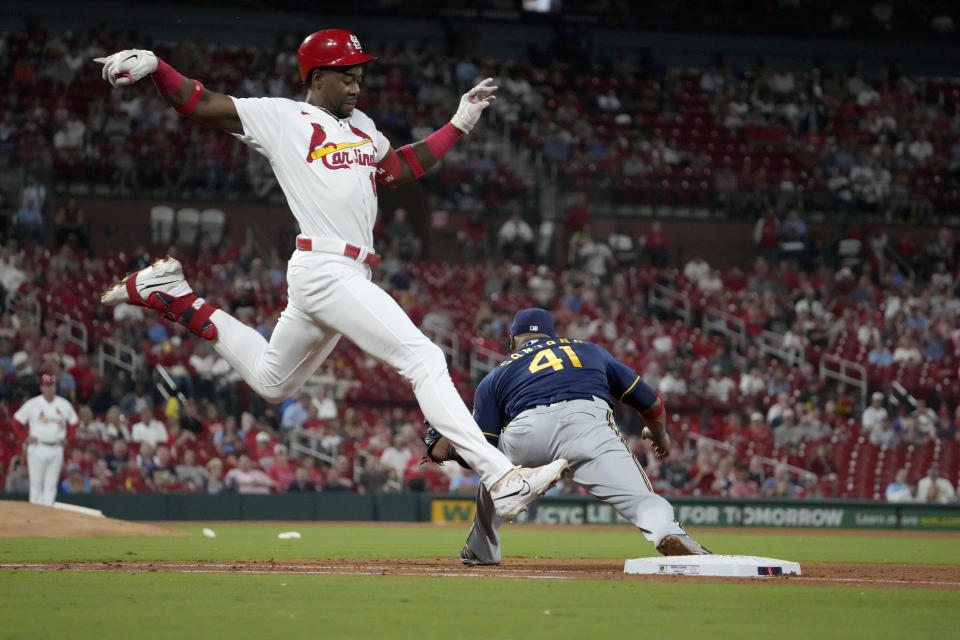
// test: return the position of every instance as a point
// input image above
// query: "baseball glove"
(432, 438)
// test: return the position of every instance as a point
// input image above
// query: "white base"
(87, 511)
(714, 565)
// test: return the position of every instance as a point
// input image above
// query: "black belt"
(551, 404)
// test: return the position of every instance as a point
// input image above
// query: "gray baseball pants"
(583, 432)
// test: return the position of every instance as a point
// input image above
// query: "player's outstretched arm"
(413, 160)
(189, 97)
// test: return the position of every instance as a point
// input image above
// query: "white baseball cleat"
(514, 491)
(162, 287)
(163, 276)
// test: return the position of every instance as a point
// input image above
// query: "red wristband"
(389, 168)
(191, 104)
(412, 161)
(440, 141)
(167, 79)
(646, 414)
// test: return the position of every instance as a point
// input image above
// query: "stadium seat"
(188, 226)
(212, 223)
(161, 225)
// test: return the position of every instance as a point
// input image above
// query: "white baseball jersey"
(326, 166)
(327, 169)
(47, 421)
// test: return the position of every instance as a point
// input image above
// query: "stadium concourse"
(738, 353)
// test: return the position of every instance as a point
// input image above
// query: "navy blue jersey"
(548, 370)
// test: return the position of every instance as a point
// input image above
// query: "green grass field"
(64, 604)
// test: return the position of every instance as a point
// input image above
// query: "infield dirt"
(878, 576)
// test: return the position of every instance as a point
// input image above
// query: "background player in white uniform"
(555, 397)
(42, 422)
(328, 157)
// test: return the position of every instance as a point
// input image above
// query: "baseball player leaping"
(555, 396)
(328, 158)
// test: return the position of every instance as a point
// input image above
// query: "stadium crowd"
(744, 140)
(737, 410)
(768, 143)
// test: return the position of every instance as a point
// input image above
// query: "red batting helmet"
(330, 48)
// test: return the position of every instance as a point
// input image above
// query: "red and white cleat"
(162, 287)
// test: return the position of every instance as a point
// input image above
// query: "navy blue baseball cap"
(533, 320)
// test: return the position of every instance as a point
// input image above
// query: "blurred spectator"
(720, 388)
(314, 473)
(946, 427)
(149, 430)
(898, 490)
(192, 476)
(907, 351)
(820, 463)
(579, 214)
(214, 476)
(229, 440)
(755, 467)
(283, 469)
(466, 481)
(873, 414)
(515, 239)
(18, 481)
(160, 474)
(301, 482)
(337, 480)
(396, 456)
(745, 487)
(28, 221)
(766, 235)
(672, 385)
(373, 475)
(752, 383)
(75, 482)
(102, 480)
(780, 485)
(785, 428)
(655, 246)
(422, 477)
(589, 254)
(934, 489)
(113, 427)
(674, 473)
(326, 406)
(880, 354)
(296, 414)
(696, 269)
(116, 458)
(245, 479)
(884, 433)
(925, 417)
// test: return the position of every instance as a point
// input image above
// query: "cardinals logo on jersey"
(339, 155)
(316, 141)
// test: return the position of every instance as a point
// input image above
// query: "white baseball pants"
(583, 432)
(44, 462)
(329, 296)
